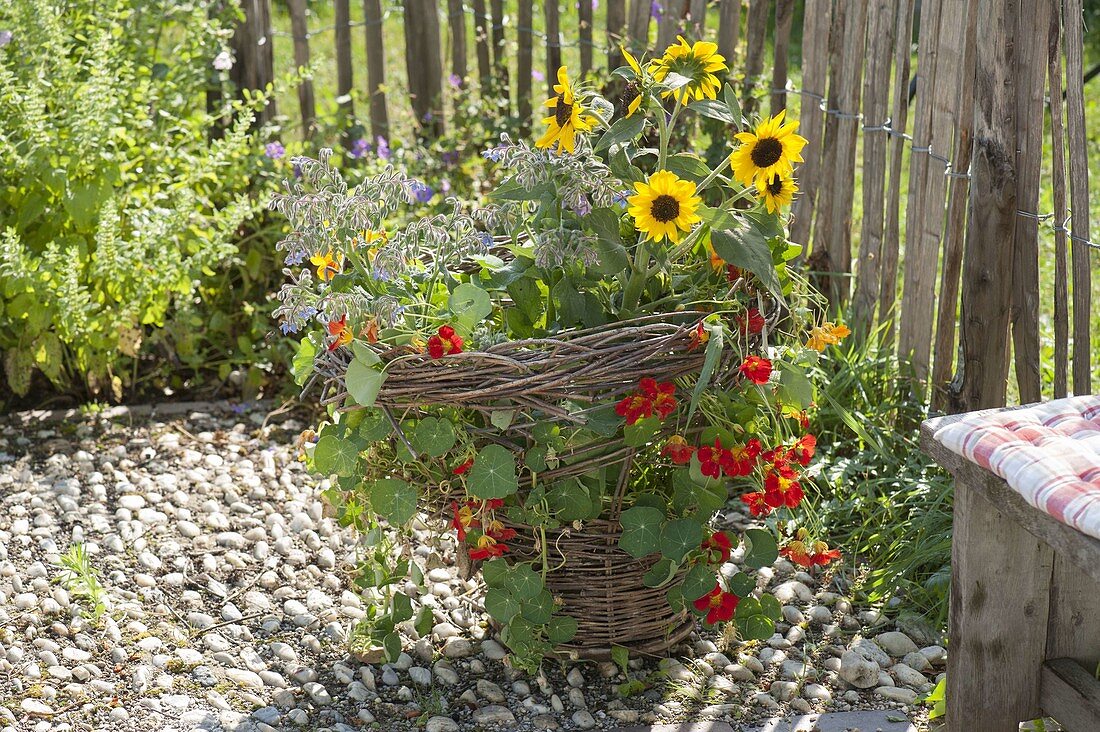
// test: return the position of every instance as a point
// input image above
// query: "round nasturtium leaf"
(561, 629)
(433, 436)
(501, 605)
(523, 582)
(680, 537)
(393, 500)
(335, 455)
(641, 530)
(698, 582)
(493, 474)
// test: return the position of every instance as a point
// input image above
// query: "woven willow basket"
(599, 584)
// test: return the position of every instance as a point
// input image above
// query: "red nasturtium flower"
(803, 450)
(717, 604)
(781, 486)
(756, 369)
(750, 323)
(710, 459)
(461, 469)
(651, 397)
(487, 547)
(445, 342)
(340, 331)
(757, 504)
(678, 450)
(699, 336)
(717, 547)
(463, 518)
(801, 552)
(740, 459)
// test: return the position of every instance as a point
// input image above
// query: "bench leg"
(1000, 580)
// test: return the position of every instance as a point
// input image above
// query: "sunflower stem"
(714, 173)
(632, 293)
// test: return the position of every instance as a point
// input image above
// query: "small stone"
(784, 690)
(790, 592)
(441, 724)
(420, 676)
(458, 648)
(493, 650)
(494, 714)
(908, 676)
(36, 708)
(490, 692)
(917, 661)
(936, 655)
(247, 679)
(817, 692)
(318, 693)
(575, 678)
(857, 670)
(897, 694)
(895, 643)
(583, 719)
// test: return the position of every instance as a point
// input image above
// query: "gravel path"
(229, 604)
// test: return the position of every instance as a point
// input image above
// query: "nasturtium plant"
(613, 342)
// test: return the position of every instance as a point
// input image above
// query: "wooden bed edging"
(1071, 695)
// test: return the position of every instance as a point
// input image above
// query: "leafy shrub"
(117, 194)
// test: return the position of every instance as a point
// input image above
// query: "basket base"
(654, 648)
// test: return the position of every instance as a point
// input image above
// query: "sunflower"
(771, 150)
(568, 119)
(777, 193)
(632, 95)
(699, 62)
(664, 206)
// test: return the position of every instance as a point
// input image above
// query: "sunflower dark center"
(776, 186)
(563, 112)
(766, 152)
(665, 208)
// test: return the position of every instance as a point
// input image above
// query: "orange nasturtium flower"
(463, 518)
(803, 553)
(678, 450)
(328, 264)
(717, 604)
(340, 331)
(826, 334)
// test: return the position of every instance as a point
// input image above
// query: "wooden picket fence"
(959, 136)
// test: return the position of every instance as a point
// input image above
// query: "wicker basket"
(601, 587)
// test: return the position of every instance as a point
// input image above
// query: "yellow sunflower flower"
(328, 264)
(568, 119)
(664, 206)
(771, 150)
(699, 62)
(777, 193)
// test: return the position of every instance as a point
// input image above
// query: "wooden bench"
(1025, 606)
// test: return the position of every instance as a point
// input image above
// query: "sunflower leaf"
(714, 110)
(673, 80)
(624, 130)
(745, 246)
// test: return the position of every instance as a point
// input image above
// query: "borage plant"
(575, 376)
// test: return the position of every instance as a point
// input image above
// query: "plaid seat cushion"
(1048, 453)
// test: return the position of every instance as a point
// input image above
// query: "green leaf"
(688, 166)
(391, 644)
(334, 455)
(561, 629)
(622, 131)
(493, 474)
(673, 80)
(761, 549)
(535, 459)
(502, 418)
(641, 432)
(501, 605)
(716, 218)
(302, 364)
(569, 500)
(732, 104)
(746, 247)
(715, 110)
(742, 584)
(433, 436)
(374, 425)
(660, 573)
(641, 530)
(621, 656)
(425, 620)
(363, 382)
(539, 609)
(795, 388)
(523, 582)
(770, 607)
(710, 360)
(621, 166)
(494, 571)
(755, 627)
(470, 305)
(603, 420)
(402, 608)
(613, 257)
(698, 582)
(393, 499)
(680, 537)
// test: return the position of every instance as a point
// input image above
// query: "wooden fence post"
(1079, 196)
(638, 28)
(500, 53)
(299, 29)
(481, 41)
(1058, 183)
(456, 21)
(784, 16)
(991, 229)
(553, 42)
(669, 23)
(376, 69)
(524, 63)
(697, 14)
(616, 27)
(584, 19)
(756, 31)
(815, 50)
(891, 237)
(254, 67)
(881, 21)
(729, 29)
(954, 234)
(1031, 56)
(344, 80)
(424, 64)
